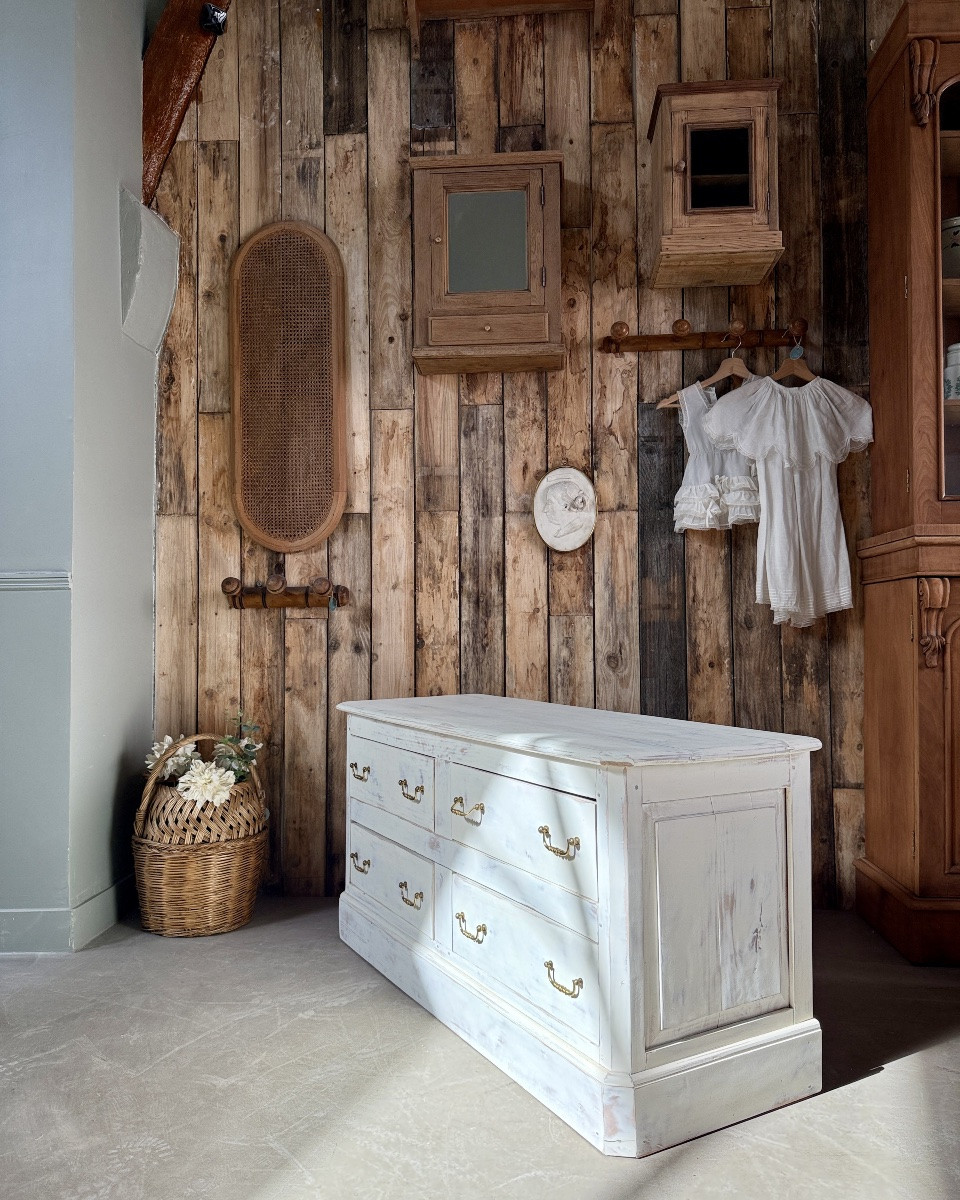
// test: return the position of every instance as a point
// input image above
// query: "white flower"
(204, 782)
(177, 763)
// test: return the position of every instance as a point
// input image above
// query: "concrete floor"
(273, 1064)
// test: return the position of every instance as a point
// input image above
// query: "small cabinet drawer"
(400, 781)
(483, 329)
(551, 834)
(397, 879)
(549, 966)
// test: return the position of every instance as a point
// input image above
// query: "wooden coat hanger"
(730, 366)
(797, 368)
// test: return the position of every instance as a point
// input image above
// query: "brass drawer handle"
(458, 808)
(474, 937)
(417, 792)
(416, 902)
(573, 992)
(363, 775)
(363, 869)
(573, 844)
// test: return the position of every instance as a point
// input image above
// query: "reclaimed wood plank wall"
(311, 110)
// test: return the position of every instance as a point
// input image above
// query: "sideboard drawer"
(553, 834)
(550, 966)
(396, 779)
(397, 879)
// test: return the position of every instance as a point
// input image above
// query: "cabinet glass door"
(487, 241)
(949, 115)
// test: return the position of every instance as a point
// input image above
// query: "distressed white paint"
(689, 927)
(398, 780)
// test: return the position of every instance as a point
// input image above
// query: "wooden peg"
(321, 586)
(276, 584)
(231, 586)
(682, 328)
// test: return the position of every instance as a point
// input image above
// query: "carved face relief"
(565, 508)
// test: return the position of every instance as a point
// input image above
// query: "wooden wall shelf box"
(715, 205)
(487, 263)
(615, 910)
(908, 883)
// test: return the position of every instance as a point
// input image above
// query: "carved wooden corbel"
(934, 598)
(924, 53)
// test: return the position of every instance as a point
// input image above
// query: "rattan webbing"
(288, 386)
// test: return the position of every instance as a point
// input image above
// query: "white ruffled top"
(719, 486)
(796, 436)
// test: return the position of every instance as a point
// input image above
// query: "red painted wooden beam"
(172, 67)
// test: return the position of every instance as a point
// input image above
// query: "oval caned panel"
(288, 368)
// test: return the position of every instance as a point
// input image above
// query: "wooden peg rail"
(318, 593)
(735, 337)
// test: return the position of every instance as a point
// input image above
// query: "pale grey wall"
(113, 498)
(77, 402)
(36, 465)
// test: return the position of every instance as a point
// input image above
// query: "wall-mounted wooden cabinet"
(908, 883)
(715, 200)
(487, 263)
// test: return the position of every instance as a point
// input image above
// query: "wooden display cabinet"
(908, 883)
(487, 263)
(715, 202)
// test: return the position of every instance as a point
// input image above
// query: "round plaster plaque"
(565, 508)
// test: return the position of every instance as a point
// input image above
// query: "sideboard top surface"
(579, 734)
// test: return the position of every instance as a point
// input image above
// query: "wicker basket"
(198, 871)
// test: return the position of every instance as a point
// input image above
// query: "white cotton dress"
(796, 437)
(719, 487)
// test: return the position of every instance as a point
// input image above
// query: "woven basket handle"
(154, 775)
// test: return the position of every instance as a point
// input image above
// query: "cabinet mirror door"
(949, 117)
(487, 240)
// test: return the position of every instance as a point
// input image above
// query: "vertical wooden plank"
(391, 372)
(843, 176)
(432, 126)
(387, 14)
(525, 585)
(348, 674)
(218, 232)
(259, 49)
(524, 437)
(304, 834)
(525, 555)
(302, 147)
(806, 709)
(437, 443)
(566, 80)
(345, 66)
(481, 550)
(702, 40)
(749, 43)
(660, 439)
(262, 697)
(392, 582)
(757, 684)
(475, 65)
(570, 574)
(611, 94)
(848, 816)
(568, 391)
(438, 604)
(218, 106)
(520, 61)
(709, 640)
(614, 299)
(346, 224)
(846, 632)
(617, 611)
(177, 368)
(218, 683)
(795, 59)
(175, 701)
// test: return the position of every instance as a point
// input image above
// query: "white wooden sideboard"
(613, 909)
